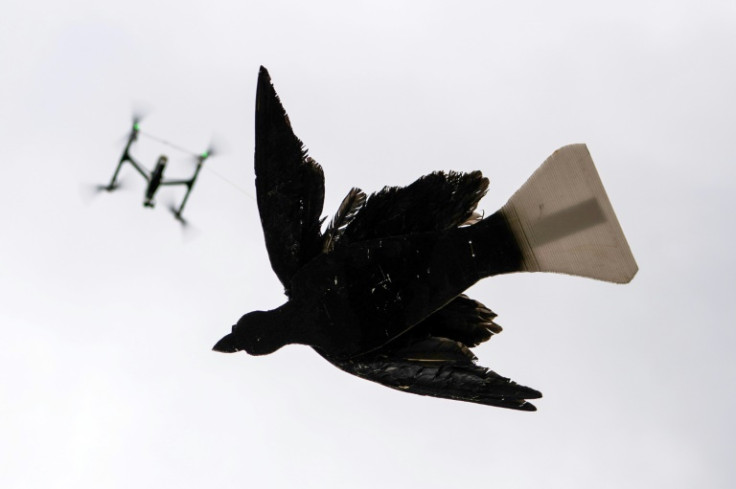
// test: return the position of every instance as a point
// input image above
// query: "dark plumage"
(380, 293)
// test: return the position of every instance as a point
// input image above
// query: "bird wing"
(290, 186)
(434, 202)
(440, 367)
(462, 319)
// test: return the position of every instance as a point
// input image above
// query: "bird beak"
(226, 345)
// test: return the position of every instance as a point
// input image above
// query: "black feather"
(464, 320)
(349, 208)
(457, 377)
(435, 202)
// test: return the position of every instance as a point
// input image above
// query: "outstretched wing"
(441, 367)
(434, 202)
(290, 187)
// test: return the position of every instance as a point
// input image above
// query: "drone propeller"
(135, 121)
(121, 183)
(210, 151)
(139, 112)
(106, 188)
(204, 155)
(187, 229)
(90, 191)
(196, 159)
(174, 209)
(213, 149)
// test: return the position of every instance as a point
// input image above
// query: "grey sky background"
(108, 313)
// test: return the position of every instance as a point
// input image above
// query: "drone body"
(380, 293)
(155, 178)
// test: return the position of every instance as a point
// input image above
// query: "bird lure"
(380, 293)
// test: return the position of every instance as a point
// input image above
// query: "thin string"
(236, 186)
(162, 141)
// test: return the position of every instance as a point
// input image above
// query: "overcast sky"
(108, 313)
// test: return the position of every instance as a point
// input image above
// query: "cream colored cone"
(564, 222)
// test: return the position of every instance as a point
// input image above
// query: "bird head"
(257, 333)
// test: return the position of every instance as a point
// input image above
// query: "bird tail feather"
(563, 221)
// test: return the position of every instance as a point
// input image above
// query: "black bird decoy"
(379, 293)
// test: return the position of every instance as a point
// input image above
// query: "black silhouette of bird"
(379, 293)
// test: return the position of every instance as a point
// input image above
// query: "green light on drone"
(136, 126)
(205, 154)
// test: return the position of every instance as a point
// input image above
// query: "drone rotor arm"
(188, 183)
(139, 168)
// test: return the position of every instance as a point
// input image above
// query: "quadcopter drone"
(155, 178)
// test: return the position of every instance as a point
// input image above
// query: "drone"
(155, 178)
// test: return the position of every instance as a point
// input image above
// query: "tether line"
(236, 186)
(163, 141)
